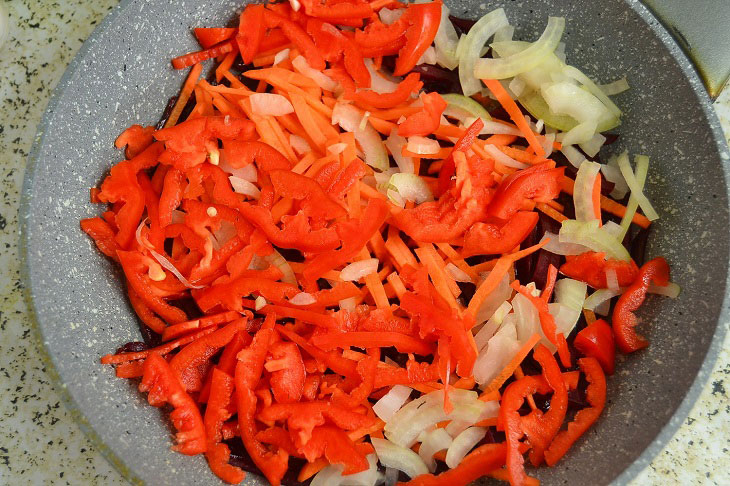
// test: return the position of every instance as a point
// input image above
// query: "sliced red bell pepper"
(287, 372)
(332, 360)
(411, 83)
(280, 438)
(449, 168)
(122, 186)
(379, 35)
(188, 363)
(136, 138)
(596, 341)
(540, 428)
(171, 196)
(314, 201)
(155, 234)
(591, 267)
(354, 235)
(135, 267)
(361, 339)
(382, 320)
(163, 387)
(216, 413)
(425, 121)
(144, 313)
(241, 153)
(596, 397)
(327, 40)
(540, 183)
(298, 36)
(338, 11)
(491, 239)
(227, 361)
(423, 20)
(248, 374)
(624, 319)
(229, 294)
(210, 36)
(414, 372)
(346, 178)
(191, 58)
(479, 462)
(251, 29)
(334, 444)
(103, 235)
(303, 417)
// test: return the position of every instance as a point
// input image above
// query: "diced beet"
(638, 246)
(438, 79)
(462, 25)
(166, 112)
(543, 261)
(133, 347)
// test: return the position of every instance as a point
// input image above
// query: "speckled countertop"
(39, 441)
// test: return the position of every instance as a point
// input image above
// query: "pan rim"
(638, 465)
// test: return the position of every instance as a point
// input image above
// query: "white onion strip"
(357, 270)
(503, 158)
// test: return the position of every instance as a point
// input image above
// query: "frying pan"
(122, 76)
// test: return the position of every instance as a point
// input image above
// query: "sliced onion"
(428, 410)
(671, 290)
(494, 300)
(490, 327)
(565, 321)
(423, 145)
(337, 148)
(299, 144)
(332, 475)
(588, 233)
(434, 441)
(242, 186)
(247, 172)
(281, 56)
(571, 293)
(636, 186)
(599, 297)
(527, 319)
(504, 34)
(593, 146)
(411, 187)
(548, 142)
(464, 108)
(270, 104)
(398, 457)
(566, 98)
(462, 444)
(349, 304)
(506, 67)
(164, 262)
(446, 41)
(613, 174)
(457, 273)
(616, 87)
(503, 158)
(394, 143)
(388, 16)
(391, 476)
(260, 302)
(276, 259)
(357, 270)
(391, 402)
(573, 155)
(322, 80)
(428, 57)
(456, 427)
(378, 81)
(498, 352)
(612, 279)
(581, 133)
(592, 87)
(303, 298)
(4, 25)
(349, 118)
(295, 5)
(470, 47)
(585, 181)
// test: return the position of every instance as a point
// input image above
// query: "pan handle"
(702, 29)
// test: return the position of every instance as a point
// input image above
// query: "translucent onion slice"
(322, 80)
(592, 87)
(470, 47)
(349, 118)
(434, 441)
(612, 279)
(398, 457)
(357, 270)
(270, 104)
(500, 349)
(394, 143)
(616, 87)
(589, 234)
(332, 475)
(507, 67)
(457, 273)
(503, 158)
(571, 293)
(280, 56)
(242, 186)
(411, 187)
(276, 259)
(585, 181)
(671, 290)
(299, 144)
(581, 133)
(490, 327)
(388, 16)
(494, 300)
(423, 145)
(462, 444)
(378, 81)
(391, 402)
(613, 174)
(446, 41)
(635, 182)
(573, 155)
(462, 108)
(599, 297)
(303, 298)
(593, 146)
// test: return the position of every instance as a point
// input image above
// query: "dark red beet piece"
(133, 347)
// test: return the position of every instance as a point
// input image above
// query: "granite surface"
(39, 441)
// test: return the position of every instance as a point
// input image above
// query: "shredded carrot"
(515, 114)
(589, 315)
(550, 211)
(445, 285)
(312, 468)
(608, 205)
(184, 96)
(504, 375)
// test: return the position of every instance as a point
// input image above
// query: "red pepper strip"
(491, 239)
(273, 39)
(479, 462)
(304, 416)
(512, 400)
(216, 413)
(251, 29)
(134, 265)
(191, 58)
(337, 11)
(315, 202)
(423, 19)
(172, 332)
(136, 138)
(227, 361)
(389, 50)
(541, 428)
(298, 36)
(413, 373)
(155, 234)
(411, 83)
(449, 168)
(366, 368)
(336, 446)
(540, 183)
(280, 438)
(172, 192)
(296, 232)
(346, 178)
(161, 350)
(354, 234)
(547, 323)
(103, 235)
(210, 36)
(552, 277)
(591, 267)
(121, 186)
(287, 372)
(596, 341)
(248, 374)
(131, 369)
(145, 314)
(402, 342)
(624, 319)
(164, 387)
(425, 121)
(241, 153)
(187, 364)
(229, 294)
(379, 35)
(333, 296)
(596, 396)
(327, 40)
(383, 320)
(332, 360)
(316, 318)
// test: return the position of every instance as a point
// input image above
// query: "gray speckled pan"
(123, 76)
